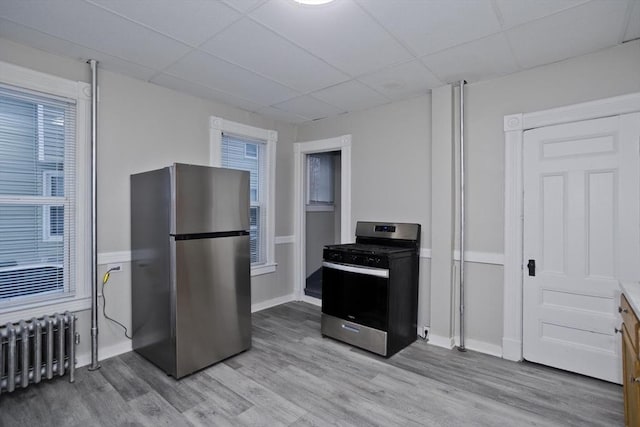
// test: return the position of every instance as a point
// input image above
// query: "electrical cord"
(105, 279)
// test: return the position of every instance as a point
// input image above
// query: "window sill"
(319, 208)
(40, 309)
(261, 269)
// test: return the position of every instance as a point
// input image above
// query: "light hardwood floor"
(294, 376)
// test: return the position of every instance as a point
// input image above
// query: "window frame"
(250, 156)
(218, 126)
(46, 209)
(80, 92)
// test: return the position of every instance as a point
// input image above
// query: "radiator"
(37, 349)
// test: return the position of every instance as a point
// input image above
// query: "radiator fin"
(31, 349)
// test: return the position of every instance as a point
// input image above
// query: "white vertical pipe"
(461, 347)
(94, 216)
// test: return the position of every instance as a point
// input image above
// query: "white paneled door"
(581, 235)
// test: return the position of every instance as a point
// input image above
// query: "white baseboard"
(511, 349)
(104, 353)
(311, 300)
(481, 347)
(440, 341)
(272, 302)
(471, 344)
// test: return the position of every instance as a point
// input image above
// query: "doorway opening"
(322, 208)
(322, 214)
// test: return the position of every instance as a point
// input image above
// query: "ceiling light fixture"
(313, 2)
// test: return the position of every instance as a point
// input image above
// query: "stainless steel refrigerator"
(190, 275)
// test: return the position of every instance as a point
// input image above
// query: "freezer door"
(213, 300)
(208, 200)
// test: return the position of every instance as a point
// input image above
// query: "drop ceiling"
(297, 63)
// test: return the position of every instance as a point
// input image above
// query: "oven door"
(356, 293)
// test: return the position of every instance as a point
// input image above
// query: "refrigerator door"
(208, 200)
(213, 300)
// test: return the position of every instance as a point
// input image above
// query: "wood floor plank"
(178, 394)
(207, 414)
(108, 409)
(153, 411)
(292, 375)
(216, 394)
(272, 403)
(123, 379)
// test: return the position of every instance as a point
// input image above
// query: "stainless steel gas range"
(370, 288)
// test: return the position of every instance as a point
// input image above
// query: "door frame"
(514, 127)
(300, 150)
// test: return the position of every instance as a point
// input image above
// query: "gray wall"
(143, 126)
(391, 167)
(606, 73)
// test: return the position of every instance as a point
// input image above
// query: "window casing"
(44, 211)
(239, 146)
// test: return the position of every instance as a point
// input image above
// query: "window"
(238, 146)
(53, 215)
(251, 151)
(42, 252)
(320, 180)
(233, 157)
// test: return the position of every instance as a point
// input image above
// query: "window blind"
(37, 197)
(247, 154)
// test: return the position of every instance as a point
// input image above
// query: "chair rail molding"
(514, 127)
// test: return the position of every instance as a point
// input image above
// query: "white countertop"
(631, 291)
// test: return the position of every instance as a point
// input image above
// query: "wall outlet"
(115, 267)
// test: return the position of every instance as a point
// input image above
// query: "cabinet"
(630, 364)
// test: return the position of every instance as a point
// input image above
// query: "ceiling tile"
(38, 40)
(577, 31)
(309, 107)
(351, 96)
(339, 32)
(516, 12)
(402, 81)
(633, 28)
(204, 92)
(283, 116)
(88, 25)
(243, 5)
(482, 59)
(252, 46)
(430, 26)
(202, 68)
(192, 23)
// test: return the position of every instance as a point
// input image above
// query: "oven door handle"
(369, 271)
